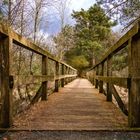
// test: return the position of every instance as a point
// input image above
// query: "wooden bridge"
(79, 105)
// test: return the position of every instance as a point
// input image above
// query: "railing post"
(44, 72)
(6, 82)
(62, 72)
(101, 74)
(66, 72)
(57, 74)
(109, 73)
(92, 78)
(96, 81)
(134, 82)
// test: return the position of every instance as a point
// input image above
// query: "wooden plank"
(75, 108)
(62, 72)
(56, 74)
(121, 43)
(44, 72)
(122, 82)
(32, 79)
(109, 73)
(6, 91)
(27, 44)
(100, 81)
(119, 101)
(96, 80)
(134, 91)
(37, 96)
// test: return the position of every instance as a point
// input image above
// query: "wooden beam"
(62, 72)
(56, 74)
(5, 89)
(37, 96)
(100, 81)
(44, 72)
(134, 90)
(96, 80)
(119, 101)
(122, 82)
(109, 73)
(27, 44)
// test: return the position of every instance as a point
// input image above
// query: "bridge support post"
(57, 74)
(66, 72)
(109, 73)
(44, 72)
(62, 72)
(96, 81)
(101, 74)
(6, 83)
(134, 85)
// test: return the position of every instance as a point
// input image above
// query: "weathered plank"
(6, 91)
(74, 108)
(25, 43)
(44, 72)
(33, 79)
(119, 101)
(100, 81)
(37, 96)
(109, 73)
(120, 81)
(62, 72)
(134, 90)
(56, 74)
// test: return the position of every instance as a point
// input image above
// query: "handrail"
(132, 82)
(9, 37)
(119, 45)
(25, 43)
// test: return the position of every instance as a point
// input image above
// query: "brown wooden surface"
(120, 81)
(77, 106)
(5, 90)
(134, 90)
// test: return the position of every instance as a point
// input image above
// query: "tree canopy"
(91, 30)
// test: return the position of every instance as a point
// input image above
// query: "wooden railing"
(7, 80)
(131, 40)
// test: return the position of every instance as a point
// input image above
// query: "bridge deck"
(78, 106)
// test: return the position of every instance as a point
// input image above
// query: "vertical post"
(101, 74)
(109, 73)
(66, 72)
(44, 72)
(57, 74)
(96, 81)
(92, 78)
(62, 72)
(134, 85)
(6, 83)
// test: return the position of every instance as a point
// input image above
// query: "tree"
(64, 41)
(125, 12)
(92, 28)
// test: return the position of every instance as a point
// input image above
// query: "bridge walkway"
(77, 106)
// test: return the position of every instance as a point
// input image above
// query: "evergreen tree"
(92, 28)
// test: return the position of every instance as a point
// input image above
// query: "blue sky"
(54, 26)
(76, 5)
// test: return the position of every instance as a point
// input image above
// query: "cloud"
(85, 4)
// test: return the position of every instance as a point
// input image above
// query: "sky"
(78, 4)
(54, 26)
(74, 5)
